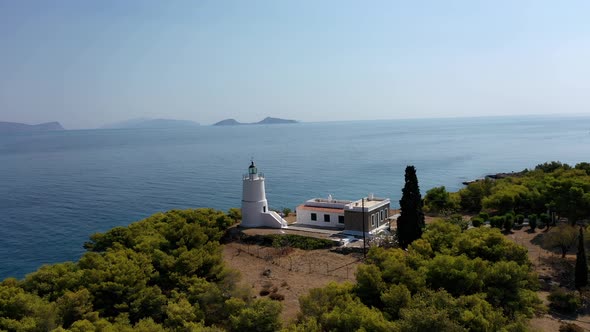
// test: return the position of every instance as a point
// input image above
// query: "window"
(386, 213)
(264, 208)
(314, 217)
(341, 219)
(326, 217)
(382, 213)
(372, 220)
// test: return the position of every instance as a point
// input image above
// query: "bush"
(563, 301)
(497, 221)
(301, 242)
(484, 216)
(508, 222)
(235, 214)
(477, 221)
(533, 224)
(508, 225)
(289, 240)
(457, 219)
(544, 218)
(519, 219)
(277, 296)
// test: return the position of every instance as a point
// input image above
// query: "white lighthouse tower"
(255, 211)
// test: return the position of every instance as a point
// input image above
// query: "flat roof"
(319, 209)
(333, 205)
(369, 203)
(327, 200)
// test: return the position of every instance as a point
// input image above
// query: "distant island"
(145, 123)
(15, 127)
(267, 120)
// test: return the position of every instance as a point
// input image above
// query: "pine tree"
(411, 221)
(581, 264)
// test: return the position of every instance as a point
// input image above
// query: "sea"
(58, 188)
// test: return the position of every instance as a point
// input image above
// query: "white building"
(322, 212)
(255, 212)
(369, 214)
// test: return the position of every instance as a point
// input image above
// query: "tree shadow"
(538, 240)
(563, 316)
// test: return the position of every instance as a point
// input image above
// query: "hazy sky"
(85, 63)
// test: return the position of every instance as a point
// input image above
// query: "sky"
(87, 63)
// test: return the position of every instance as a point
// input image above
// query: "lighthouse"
(255, 212)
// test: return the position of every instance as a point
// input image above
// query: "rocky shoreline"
(496, 176)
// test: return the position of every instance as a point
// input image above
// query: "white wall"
(304, 217)
(255, 211)
(253, 190)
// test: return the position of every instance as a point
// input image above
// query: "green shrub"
(508, 225)
(289, 240)
(457, 219)
(519, 219)
(484, 215)
(301, 242)
(533, 223)
(563, 301)
(497, 221)
(477, 221)
(508, 222)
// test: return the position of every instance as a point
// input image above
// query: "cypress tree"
(581, 264)
(411, 221)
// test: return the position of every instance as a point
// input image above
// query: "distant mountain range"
(15, 127)
(151, 123)
(267, 120)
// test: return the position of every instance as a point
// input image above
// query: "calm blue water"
(58, 188)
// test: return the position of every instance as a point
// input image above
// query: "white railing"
(254, 176)
(278, 218)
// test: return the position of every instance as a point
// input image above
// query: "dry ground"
(291, 273)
